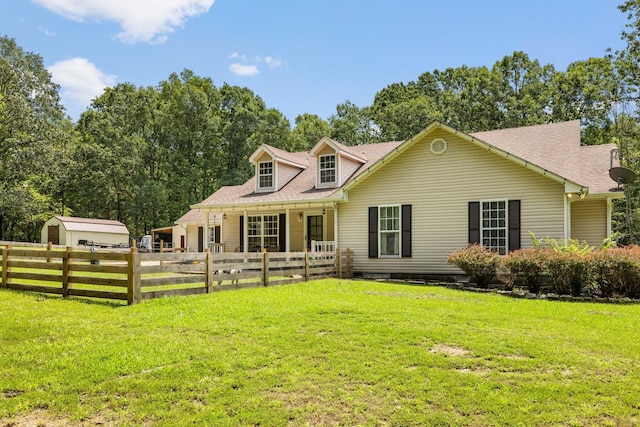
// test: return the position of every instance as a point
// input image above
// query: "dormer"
(275, 168)
(335, 162)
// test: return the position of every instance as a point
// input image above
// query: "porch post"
(335, 226)
(567, 218)
(245, 238)
(206, 229)
(287, 230)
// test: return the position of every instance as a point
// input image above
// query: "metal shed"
(72, 231)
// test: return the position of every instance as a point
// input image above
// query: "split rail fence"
(132, 276)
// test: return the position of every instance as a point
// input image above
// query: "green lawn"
(319, 353)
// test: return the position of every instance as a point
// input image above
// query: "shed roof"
(92, 225)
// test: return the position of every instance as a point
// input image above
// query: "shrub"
(607, 271)
(630, 271)
(571, 246)
(506, 275)
(478, 262)
(568, 271)
(529, 264)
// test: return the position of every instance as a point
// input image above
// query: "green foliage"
(478, 262)
(571, 246)
(528, 264)
(568, 271)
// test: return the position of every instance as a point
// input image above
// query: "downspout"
(609, 227)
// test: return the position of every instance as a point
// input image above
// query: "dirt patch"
(449, 350)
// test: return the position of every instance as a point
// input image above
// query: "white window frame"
(383, 231)
(260, 174)
(265, 233)
(491, 226)
(326, 169)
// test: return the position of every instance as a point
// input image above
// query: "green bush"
(528, 264)
(630, 271)
(478, 262)
(568, 272)
(606, 271)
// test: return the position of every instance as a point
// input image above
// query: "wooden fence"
(132, 276)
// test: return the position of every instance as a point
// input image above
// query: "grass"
(319, 353)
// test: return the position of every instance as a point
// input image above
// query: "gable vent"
(438, 146)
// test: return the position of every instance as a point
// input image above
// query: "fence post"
(265, 268)
(134, 277)
(306, 265)
(339, 262)
(208, 271)
(66, 272)
(49, 247)
(5, 266)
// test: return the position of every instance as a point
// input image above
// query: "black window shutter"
(373, 232)
(514, 225)
(241, 233)
(216, 232)
(474, 223)
(282, 232)
(406, 231)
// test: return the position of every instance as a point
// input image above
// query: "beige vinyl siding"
(296, 232)
(265, 157)
(192, 238)
(439, 189)
(589, 221)
(347, 168)
(284, 174)
(327, 149)
(230, 232)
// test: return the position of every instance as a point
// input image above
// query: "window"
(389, 229)
(494, 226)
(328, 169)
(265, 175)
(263, 232)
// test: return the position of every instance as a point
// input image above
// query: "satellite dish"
(622, 175)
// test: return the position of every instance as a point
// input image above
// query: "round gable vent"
(438, 146)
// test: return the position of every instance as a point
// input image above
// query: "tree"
(309, 129)
(352, 125)
(33, 128)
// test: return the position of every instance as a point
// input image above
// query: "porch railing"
(323, 246)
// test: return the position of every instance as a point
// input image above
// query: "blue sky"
(300, 56)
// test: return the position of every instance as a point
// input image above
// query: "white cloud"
(236, 55)
(140, 20)
(272, 62)
(80, 82)
(46, 31)
(243, 70)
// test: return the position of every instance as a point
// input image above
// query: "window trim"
(260, 175)
(505, 227)
(397, 231)
(321, 169)
(261, 233)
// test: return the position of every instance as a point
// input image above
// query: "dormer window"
(265, 175)
(328, 169)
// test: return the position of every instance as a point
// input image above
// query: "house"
(72, 231)
(403, 206)
(189, 231)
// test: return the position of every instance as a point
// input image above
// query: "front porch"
(270, 229)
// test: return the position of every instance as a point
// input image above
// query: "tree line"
(143, 155)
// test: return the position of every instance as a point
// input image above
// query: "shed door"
(53, 234)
